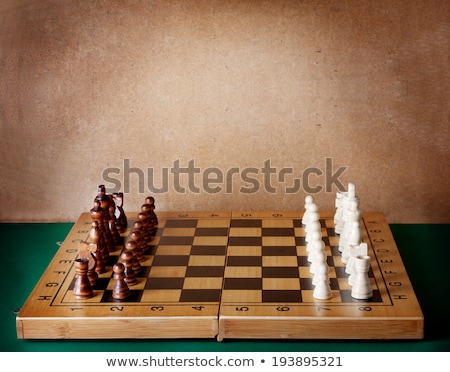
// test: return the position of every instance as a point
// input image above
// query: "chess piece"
(322, 289)
(362, 289)
(131, 246)
(355, 250)
(354, 236)
(321, 278)
(313, 224)
(82, 289)
(351, 191)
(146, 229)
(100, 266)
(110, 227)
(102, 253)
(119, 213)
(314, 245)
(120, 290)
(338, 219)
(147, 209)
(114, 232)
(342, 201)
(312, 214)
(350, 215)
(309, 202)
(154, 218)
(127, 259)
(320, 266)
(111, 205)
(141, 245)
(313, 231)
(86, 251)
(98, 215)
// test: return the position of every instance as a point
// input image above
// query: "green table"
(29, 247)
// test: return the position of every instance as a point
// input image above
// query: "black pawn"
(146, 209)
(151, 200)
(141, 245)
(127, 259)
(132, 246)
(120, 290)
(82, 289)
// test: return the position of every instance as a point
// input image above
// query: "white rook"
(362, 289)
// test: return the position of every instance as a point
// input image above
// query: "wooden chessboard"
(227, 275)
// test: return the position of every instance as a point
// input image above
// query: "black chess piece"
(82, 289)
(120, 290)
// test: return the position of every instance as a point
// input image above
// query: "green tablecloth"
(28, 248)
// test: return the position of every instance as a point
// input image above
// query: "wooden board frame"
(50, 314)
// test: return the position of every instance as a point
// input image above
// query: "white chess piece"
(338, 219)
(355, 250)
(314, 233)
(346, 217)
(312, 226)
(309, 202)
(312, 215)
(342, 202)
(320, 266)
(351, 190)
(316, 248)
(353, 238)
(362, 289)
(321, 279)
(351, 214)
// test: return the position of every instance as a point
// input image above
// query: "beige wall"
(91, 85)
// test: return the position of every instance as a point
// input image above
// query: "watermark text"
(189, 178)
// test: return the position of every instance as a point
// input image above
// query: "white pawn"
(312, 216)
(362, 289)
(320, 266)
(316, 248)
(321, 279)
(314, 236)
(322, 291)
(313, 226)
(314, 233)
(309, 203)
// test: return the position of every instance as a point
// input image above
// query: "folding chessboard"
(227, 275)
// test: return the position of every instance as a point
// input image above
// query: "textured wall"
(245, 105)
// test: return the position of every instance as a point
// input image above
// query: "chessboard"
(226, 275)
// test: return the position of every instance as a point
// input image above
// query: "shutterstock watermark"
(212, 180)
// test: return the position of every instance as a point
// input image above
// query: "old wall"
(224, 105)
